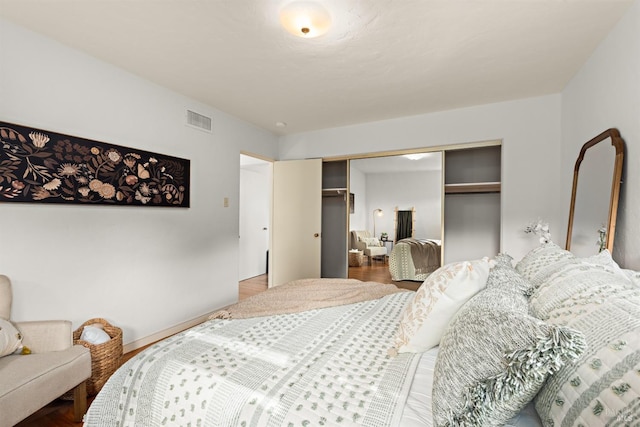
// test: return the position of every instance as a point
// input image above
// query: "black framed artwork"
(39, 166)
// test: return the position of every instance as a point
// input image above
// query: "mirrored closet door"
(446, 200)
(384, 186)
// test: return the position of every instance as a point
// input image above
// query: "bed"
(329, 365)
(473, 346)
(414, 259)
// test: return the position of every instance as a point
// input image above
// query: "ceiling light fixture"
(416, 156)
(305, 19)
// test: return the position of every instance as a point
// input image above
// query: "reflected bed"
(414, 259)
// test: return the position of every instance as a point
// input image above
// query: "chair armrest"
(361, 246)
(46, 335)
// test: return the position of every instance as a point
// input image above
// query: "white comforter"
(318, 367)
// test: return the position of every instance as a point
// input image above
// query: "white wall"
(144, 269)
(530, 131)
(406, 190)
(605, 94)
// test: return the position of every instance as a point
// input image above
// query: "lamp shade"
(305, 19)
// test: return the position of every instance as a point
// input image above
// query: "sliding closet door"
(297, 206)
(472, 203)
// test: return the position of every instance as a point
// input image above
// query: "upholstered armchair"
(28, 382)
(369, 245)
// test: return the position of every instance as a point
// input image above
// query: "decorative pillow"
(494, 357)
(371, 241)
(541, 262)
(549, 259)
(505, 276)
(437, 300)
(603, 387)
(604, 260)
(633, 276)
(10, 338)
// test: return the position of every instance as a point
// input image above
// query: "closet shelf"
(472, 187)
(334, 191)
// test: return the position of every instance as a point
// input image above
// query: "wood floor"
(378, 271)
(60, 412)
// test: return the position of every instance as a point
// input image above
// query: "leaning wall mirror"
(595, 194)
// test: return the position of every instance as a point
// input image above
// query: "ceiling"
(381, 59)
(400, 163)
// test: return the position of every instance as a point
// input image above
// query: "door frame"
(269, 207)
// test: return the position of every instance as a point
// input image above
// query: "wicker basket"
(355, 258)
(105, 358)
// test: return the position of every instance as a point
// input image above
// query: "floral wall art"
(47, 167)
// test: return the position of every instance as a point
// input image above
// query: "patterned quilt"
(320, 367)
(414, 259)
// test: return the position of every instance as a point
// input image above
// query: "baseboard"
(142, 342)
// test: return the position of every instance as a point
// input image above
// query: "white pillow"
(604, 259)
(371, 241)
(10, 338)
(633, 276)
(436, 302)
(94, 334)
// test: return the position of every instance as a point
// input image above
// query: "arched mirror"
(594, 197)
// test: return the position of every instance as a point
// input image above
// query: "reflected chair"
(370, 246)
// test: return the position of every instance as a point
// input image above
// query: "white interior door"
(255, 215)
(297, 212)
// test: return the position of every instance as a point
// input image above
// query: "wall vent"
(199, 121)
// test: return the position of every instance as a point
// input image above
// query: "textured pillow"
(437, 300)
(371, 241)
(603, 387)
(10, 338)
(494, 357)
(506, 277)
(633, 276)
(605, 261)
(542, 261)
(549, 259)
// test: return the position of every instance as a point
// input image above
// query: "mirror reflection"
(397, 194)
(405, 224)
(595, 194)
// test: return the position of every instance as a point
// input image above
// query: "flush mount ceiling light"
(416, 156)
(305, 19)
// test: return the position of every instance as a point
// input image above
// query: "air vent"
(199, 121)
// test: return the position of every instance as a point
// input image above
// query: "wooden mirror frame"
(413, 222)
(618, 143)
